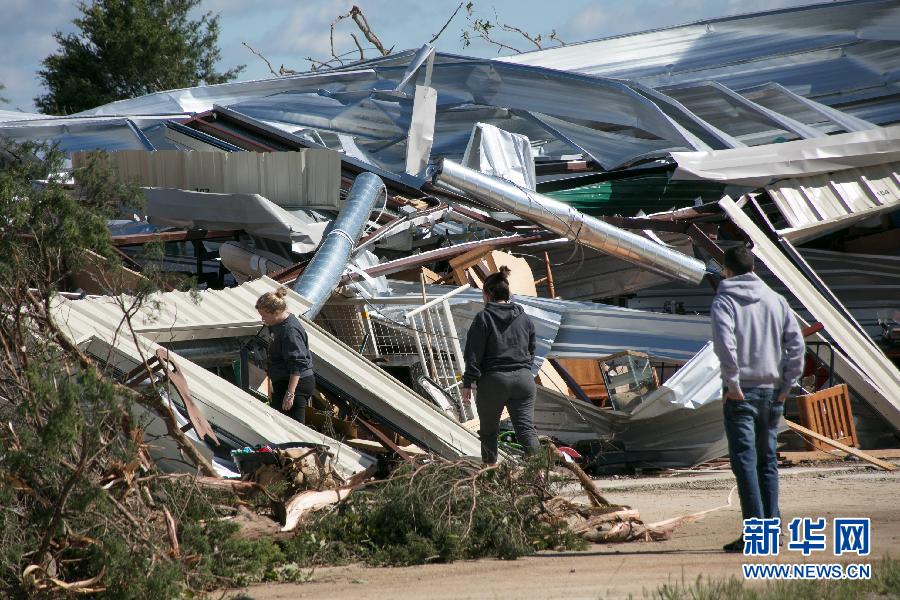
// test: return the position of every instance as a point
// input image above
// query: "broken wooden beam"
(881, 464)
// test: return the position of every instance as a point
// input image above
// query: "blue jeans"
(751, 426)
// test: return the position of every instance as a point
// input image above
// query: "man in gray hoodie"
(760, 348)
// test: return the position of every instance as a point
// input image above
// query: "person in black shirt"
(499, 354)
(290, 362)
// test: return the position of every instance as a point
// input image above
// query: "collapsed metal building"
(603, 172)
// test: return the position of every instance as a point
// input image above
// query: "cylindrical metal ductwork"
(561, 218)
(325, 269)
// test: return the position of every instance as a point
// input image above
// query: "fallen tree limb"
(586, 482)
(309, 501)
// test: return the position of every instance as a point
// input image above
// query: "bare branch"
(266, 60)
(356, 41)
(360, 19)
(483, 28)
(438, 34)
(337, 20)
(536, 40)
(315, 63)
(553, 36)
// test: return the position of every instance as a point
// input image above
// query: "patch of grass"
(884, 585)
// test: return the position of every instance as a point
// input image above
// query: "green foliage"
(69, 505)
(438, 512)
(128, 48)
(885, 583)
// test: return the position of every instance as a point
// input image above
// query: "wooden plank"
(797, 457)
(849, 450)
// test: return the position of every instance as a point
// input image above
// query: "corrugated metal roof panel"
(98, 320)
(231, 311)
(815, 206)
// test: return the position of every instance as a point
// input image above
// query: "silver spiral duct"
(325, 269)
(564, 220)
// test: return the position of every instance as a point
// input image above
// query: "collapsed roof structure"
(607, 165)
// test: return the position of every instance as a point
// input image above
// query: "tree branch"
(60, 504)
(536, 40)
(360, 19)
(153, 402)
(438, 34)
(356, 41)
(259, 54)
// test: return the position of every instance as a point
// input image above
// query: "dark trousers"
(516, 391)
(751, 426)
(306, 387)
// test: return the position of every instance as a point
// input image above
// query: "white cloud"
(590, 22)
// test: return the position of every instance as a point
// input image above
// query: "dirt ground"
(634, 569)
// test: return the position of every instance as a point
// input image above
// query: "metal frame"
(434, 331)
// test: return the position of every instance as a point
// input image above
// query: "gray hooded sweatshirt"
(755, 336)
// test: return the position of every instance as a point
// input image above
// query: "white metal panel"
(201, 315)
(815, 206)
(307, 177)
(223, 404)
(762, 165)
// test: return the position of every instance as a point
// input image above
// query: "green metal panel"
(650, 193)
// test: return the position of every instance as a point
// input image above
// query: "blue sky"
(288, 31)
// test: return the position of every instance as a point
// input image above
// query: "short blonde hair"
(273, 302)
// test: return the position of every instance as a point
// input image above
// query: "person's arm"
(725, 346)
(532, 345)
(295, 355)
(474, 354)
(288, 401)
(794, 348)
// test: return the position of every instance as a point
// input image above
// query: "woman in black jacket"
(290, 362)
(499, 354)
